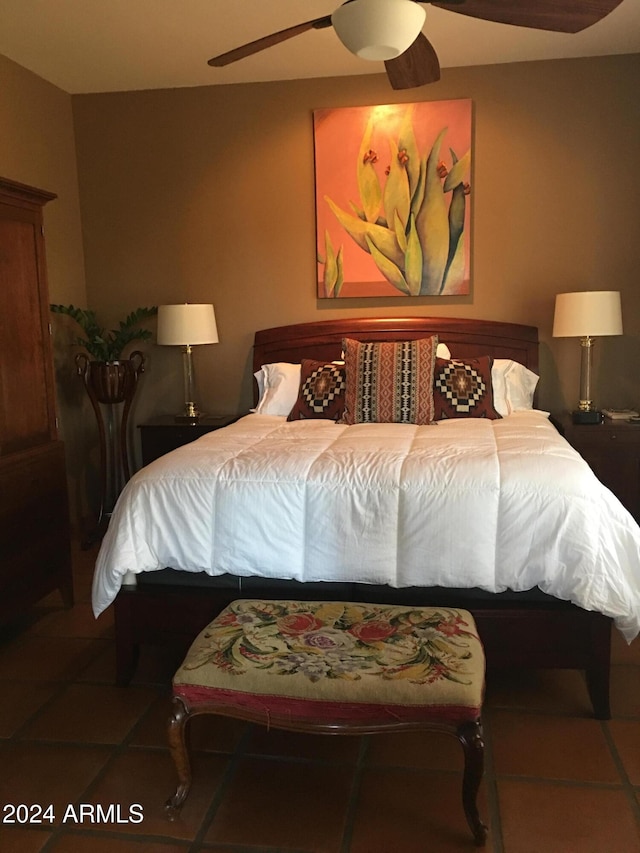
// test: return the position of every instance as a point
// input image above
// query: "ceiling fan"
(391, 30)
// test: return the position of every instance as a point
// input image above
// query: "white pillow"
(513, 386)
(279, 383)
(259, 377)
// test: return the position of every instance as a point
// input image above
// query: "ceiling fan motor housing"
(378, 29)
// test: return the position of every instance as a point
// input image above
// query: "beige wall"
(37, 147)
(206, 194)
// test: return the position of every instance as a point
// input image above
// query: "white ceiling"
(121, 45)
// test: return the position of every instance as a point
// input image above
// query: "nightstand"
(612, 449)
(163, 434)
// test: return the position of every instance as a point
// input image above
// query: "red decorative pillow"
(462, 389)
(389, 382)
(321, 393)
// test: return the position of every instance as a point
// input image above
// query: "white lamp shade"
(587, 314)
(378, 29)
(188, 324)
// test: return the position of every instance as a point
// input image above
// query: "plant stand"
(111, 386)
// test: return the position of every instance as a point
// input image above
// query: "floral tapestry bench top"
(338, 661)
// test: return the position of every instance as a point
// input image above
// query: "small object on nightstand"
(591, 417)
(620, 414)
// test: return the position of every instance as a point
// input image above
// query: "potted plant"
(106, 374)
(109, 378)
(106, 345)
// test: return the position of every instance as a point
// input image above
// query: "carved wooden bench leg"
(470, 736)
(178, 746)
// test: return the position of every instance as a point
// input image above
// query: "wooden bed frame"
(521, 630)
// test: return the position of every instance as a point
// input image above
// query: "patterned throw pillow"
(462, 389)
(321, 393)
(389, 382)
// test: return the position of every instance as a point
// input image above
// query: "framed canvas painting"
(393, 213)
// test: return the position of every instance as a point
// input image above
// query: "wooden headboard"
(465, 338)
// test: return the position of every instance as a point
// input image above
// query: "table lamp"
(587, 315)
(187, 326)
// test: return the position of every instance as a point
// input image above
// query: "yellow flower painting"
(393, 192)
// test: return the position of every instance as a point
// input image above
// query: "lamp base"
(190, 415)
(591, 417)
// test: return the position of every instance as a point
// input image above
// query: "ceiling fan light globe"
(378, 29)
(379, 52)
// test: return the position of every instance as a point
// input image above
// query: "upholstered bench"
(336, 668)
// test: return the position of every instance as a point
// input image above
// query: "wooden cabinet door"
(27, 397)
(35, 556)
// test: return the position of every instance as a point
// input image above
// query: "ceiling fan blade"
(268, 41)
(417, 66)
(561, 16)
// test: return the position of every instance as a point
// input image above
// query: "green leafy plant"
(411, 222)
(103, 345)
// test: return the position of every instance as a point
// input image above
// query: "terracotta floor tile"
(82, 583)
(20, 700)
(427, 750)
(340, 748)
(216, 734)
(53, 601)
(91, 713)
(283, 804)
(22, 840)
(26, 621)
(75, 842)
(156, 667)
(151, 729)
(626, 736)
(148, 778)
(208, 732)
(559, 818)
(412, 812)
(32, 658)
(625, 691)
(78, 621)
(623, 652)
(34, 773)
(556, 690)
(102, 669)
(550, 747)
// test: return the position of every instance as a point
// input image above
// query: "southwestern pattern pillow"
(462, 389)
(321, 393)
(389, 382)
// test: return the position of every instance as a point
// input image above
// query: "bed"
(179, 545)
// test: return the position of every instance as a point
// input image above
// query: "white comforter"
(504, 504)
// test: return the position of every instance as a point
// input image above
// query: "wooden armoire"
(35, 542)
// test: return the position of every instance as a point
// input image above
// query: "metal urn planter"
(111, 386)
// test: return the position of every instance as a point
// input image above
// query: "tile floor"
(557, 781)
